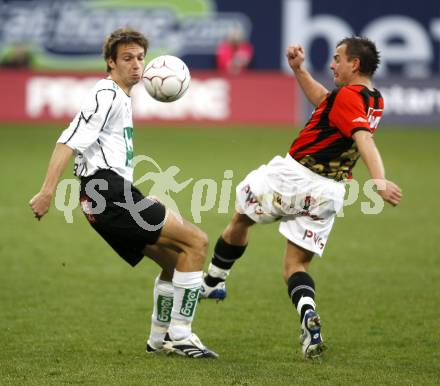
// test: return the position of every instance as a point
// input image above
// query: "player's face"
(129, 64)
(343, 69)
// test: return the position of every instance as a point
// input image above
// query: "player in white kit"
(101, 138)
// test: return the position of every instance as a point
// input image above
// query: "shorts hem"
(300, 243)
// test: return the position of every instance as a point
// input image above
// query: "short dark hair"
(125, 35)
(363, 49)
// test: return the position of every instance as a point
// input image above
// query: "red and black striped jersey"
(325, 145)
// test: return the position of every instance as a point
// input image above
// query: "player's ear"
(111, 63)
(356, 64)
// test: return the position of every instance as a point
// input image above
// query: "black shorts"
(126, 233)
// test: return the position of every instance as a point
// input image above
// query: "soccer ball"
(166, 78)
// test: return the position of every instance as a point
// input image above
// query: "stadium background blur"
(73, 313)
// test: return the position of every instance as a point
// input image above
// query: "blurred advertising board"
(407, 33)
(68, 34)
(253, 98)
(407, 101)
(410, 101)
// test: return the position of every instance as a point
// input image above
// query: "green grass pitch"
(72, 312)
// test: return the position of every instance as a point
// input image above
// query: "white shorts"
(305, 202)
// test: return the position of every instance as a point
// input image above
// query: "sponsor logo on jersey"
(374, 116)
(360, 119)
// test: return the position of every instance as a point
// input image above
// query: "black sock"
(301, 284)
(224, 257)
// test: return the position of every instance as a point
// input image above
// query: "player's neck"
(363, 81)
(120, 83)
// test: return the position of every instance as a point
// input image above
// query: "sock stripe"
(301, 287)
(217, 256)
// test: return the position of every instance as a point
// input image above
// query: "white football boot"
(190, 347)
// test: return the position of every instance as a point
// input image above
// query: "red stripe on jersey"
(318, 146)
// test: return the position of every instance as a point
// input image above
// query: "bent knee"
(201, 241)
(199, 246)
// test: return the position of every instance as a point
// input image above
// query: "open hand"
(390, 192)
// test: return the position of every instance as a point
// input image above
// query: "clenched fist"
(295, 56)
(40, 204)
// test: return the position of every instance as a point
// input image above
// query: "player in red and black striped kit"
(326, 143)
(305, 190)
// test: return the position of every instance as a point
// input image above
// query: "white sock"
(161, 317)
(186, 295)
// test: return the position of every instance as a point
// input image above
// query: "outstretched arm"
(388, 190)
(313, 90)
(40, 203)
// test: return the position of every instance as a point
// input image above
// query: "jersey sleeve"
(348, 112)
(85, 128)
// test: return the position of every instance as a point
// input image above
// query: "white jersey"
(102, 132)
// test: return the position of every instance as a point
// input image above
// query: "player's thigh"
(181, 235)
(236, 232)
(255, 197)
(240, 220)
